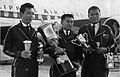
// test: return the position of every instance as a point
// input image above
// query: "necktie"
(93, 29)
(67, 33)
(28, 28)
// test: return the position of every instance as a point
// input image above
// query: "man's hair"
(93, 8)
(24, 6)
(66, 15)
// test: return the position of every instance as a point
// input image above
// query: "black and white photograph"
(59, 38)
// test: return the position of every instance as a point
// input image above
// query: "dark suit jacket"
(14, 44)
(97, 62)
(73, 52)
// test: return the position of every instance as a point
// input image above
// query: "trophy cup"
(98, 44)
(27, 44)
(61, 59)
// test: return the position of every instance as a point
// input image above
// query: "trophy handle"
(81, 40)
(74, 41)
(87, 46)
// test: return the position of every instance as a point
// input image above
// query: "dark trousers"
(94, 73)
(24, 72)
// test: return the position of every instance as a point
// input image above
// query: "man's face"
(94, 16)
(28, 15)
(67, 23)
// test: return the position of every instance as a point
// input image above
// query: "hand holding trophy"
(109, 56)
(40, 53)
(80, 40)
(26, 53)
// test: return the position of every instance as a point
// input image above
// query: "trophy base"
(65, 68)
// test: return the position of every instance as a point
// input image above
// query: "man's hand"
(58, 50)
(76, 65)
(102, 50)
(53, 41)
(25, 54)
(87, 50)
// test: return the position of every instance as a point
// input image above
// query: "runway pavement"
(5, 70)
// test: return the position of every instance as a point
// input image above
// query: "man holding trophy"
(21, 42)
(66, 55)
(96, 40)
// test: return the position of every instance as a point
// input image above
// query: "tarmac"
(5, 70)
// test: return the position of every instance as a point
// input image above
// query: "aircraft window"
(6, 13)
(52, 17)
(44, 17)
(39, 16)
(15, 14)
(36, 16)
(11, 14)
(18, 15)
(2, 13)
(59, 17)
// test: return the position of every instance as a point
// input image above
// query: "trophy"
(98, 44)
(80, 40)
(110, 60)
(60, 57)
(49, 31)
(27, 44)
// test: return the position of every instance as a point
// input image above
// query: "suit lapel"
(32, 32)
(89, 29)
(25, 32)
(100, 31)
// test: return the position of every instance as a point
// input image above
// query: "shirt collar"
(65, 31)
(97, 24)
(24, 25)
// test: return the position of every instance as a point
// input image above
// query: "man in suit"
(66, 35)
(25, 61)
(101, 41)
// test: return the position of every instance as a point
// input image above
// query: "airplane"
(51, 11)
